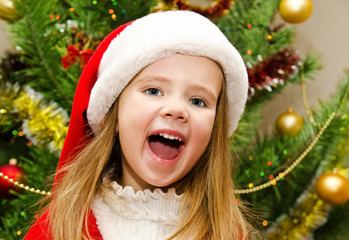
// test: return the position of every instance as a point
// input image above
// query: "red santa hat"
(133, 46)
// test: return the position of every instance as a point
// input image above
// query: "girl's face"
(165, 119)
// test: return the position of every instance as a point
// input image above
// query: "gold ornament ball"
(333, 188)
(289, 123)
(295, 11)
(8, 11)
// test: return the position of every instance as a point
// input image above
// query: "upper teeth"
(165, 135)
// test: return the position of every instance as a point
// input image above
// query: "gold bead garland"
(305, 100)
(293, 165)
(25, 187)
(310, 146)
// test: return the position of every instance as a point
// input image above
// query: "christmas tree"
(295, 179)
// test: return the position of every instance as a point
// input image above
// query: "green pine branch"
(18, 214)
(36, 34)
(248, 126)
(248, 25)
(281, 151)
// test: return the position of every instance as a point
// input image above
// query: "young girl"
(147, 152)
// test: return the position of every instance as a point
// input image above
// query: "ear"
(117, 128)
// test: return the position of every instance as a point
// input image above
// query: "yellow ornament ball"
(8, 11)
(295, 11)
(289, 123)
(333, 188)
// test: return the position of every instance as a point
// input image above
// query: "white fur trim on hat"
(159, 35)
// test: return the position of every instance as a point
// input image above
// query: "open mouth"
(166, 146)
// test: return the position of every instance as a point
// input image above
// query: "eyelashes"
(194, 101)
(198, 102)
(153, 92)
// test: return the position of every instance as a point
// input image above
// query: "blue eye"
(197, 102)
(153, 92)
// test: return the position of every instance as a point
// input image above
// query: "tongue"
(164, 148)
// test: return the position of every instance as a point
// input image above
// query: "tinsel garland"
(43, 123)
(309, 213)
(215, 10)
(273, 71)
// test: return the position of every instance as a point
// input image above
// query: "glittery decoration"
(273, 71)
(215, 10)
(43, 124)
(309, 213)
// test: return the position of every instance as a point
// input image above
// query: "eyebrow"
(152, 78)
(205, 90)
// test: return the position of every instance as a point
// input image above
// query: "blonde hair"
(209, 201)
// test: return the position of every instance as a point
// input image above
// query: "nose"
(174, 109)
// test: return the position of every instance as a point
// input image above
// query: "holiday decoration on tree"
(289, 123)
(9, 174)
(273, 71)
(76, 55)
(333, 188)
(309, 213)
(8, 11)
(43, 123)
(214, 10)
(295, 11)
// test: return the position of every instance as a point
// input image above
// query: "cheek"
(202, 130)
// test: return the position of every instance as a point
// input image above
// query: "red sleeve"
(40, 229)
(92, 226)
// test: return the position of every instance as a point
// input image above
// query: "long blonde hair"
(211, 209)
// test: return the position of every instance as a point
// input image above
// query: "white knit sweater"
(144, 215)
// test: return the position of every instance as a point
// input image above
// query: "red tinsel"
(215, 10)
(74, 54)
(273, 71)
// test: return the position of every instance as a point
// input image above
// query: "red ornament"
(8, 172)
(74, 54)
